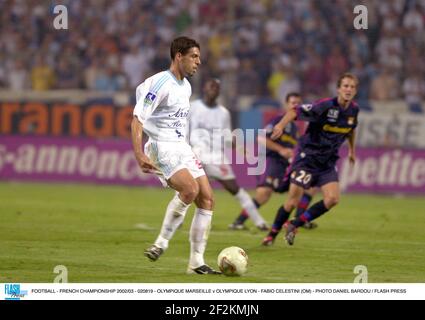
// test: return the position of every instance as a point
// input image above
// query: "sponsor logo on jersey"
(176, 124)
(181, 113)
(289, 139)
(335, 129)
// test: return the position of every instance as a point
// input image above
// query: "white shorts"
(171, 157)
(219, 171)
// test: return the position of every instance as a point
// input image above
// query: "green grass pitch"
(99, 233)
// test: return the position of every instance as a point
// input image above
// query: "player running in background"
(161, 112)
(278, 154)
(331, 121)
(208, 122)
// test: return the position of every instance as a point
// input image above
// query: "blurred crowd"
(259, 48)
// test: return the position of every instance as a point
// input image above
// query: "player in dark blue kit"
(331, 121)
(277, 155)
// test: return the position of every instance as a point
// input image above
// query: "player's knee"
(262, 199)
(266, 196)
(291, 204)
(263, 195)
(190, 193)
(210, 202)
(331, 201)
(206, 201)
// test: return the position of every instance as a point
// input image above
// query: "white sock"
(246, 202)
(174, 216)
(199, 232)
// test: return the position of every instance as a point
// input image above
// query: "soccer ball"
(233, 261)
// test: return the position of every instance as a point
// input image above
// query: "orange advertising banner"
(42, 119)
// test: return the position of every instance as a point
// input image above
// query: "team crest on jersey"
(333, 115)
(350, 121)
(150, 98)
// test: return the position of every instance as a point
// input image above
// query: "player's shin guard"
(315, 211)
(248, 204)
(198, 236)
(303, 204)
(174, 216)
(281, 217)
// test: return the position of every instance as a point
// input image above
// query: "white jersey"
(207, 128)
(163, 106)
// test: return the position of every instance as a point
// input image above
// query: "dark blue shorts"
(274, 176)
(307, 173)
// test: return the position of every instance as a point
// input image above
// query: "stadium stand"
(113, 45)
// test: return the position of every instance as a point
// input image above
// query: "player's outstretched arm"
(290, 115)
(351, 147)
(136, 136)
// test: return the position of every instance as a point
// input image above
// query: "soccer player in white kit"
(208, 121)
(161, 112)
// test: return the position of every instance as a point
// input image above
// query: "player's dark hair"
(211, 79)
(292, 94)
(182, 45)
(347, 75)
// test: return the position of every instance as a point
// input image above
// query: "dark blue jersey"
(287, 140)
(329, 126)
